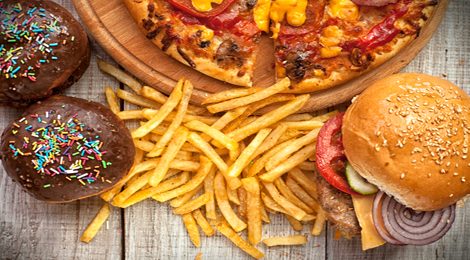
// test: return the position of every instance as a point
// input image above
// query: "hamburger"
(394, 165)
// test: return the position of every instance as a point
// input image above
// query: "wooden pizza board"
(109, 22)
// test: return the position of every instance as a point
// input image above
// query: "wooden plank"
(447, 53)
(32, 229)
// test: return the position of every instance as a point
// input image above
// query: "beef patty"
(340, 208)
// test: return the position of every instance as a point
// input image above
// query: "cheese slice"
(363, 207)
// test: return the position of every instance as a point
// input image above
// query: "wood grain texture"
(31, 229)
(113, 27)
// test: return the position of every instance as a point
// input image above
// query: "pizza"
(318, 43)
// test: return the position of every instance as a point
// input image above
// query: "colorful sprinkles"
(60, 148)
(25, 38)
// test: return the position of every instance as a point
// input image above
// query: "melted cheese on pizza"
(344, 9)
(261, 14)
(329, 41)
(294, 10)
(204, 5)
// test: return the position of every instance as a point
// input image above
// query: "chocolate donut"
(43, 50)
(63, 149)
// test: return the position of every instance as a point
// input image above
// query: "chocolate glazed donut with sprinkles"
(43, 50)
(63, 149)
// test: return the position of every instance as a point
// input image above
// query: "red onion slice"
(375, 217)
(417, 229)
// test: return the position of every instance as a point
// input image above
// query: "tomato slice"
(187, 7)
(330, 156)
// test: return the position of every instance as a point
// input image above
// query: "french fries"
(181, 149)
(224, 206)
(283, 241)
(112, 100)
(237, 240)
(121, 76)
(242, 101)
(194, 204)
(203, 223)
(192, 229)
(97, 222)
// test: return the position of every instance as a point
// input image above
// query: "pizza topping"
(188, 6)
(186, 57)
(330, 41)
(344, 9)
(261, 14)
(375, 2)
(229, 53)
(293, 9)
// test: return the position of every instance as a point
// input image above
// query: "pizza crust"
(138, 10)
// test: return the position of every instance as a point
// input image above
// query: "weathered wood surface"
(31, 229)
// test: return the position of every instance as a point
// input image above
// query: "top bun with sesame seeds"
(409, 135)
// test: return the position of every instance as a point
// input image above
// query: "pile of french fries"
(257, 164)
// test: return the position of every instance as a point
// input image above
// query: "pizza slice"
(216, 37)
(341, 39)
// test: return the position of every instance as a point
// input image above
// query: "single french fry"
(238, 241)
(297, 117)
(224, 205)
(214, 133)
(270, 141)
(264, 214)
(233, 196)
(319, 223)
(203, 223)
(253, 212)
(97, 222)
(242, 208)
(198, 256)
(162, 187)
(230, 94)
(130, 114)
(308, 166)
(258, 165)
(272, 205)
(112, 100)
(136, 99)
(193, 204)
(149, 113)
(338, 234)
(209, 187)
(183, 198)
(172, 102)
(269, 118)
(305, 182)
(154, 94)
(285, 241)
(202, 145)
(182, 109)
(121, 76)
(174, 146)
(296, 225)
(325, 117)
(292, 210)
(205, 168)
(254, 107)
(302, 194)
(288, 151)
(289, 164)
(243, 160)
(192, 229)
(286, 192)
(242, 101)
(304, 125)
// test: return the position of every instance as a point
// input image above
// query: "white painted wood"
(30, 229)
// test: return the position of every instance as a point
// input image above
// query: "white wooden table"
(31, 229)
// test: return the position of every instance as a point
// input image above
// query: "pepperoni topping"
(375, 2)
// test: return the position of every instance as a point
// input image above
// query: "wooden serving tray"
(109, 22)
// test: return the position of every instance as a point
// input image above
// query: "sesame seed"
(456, 173)
(463, 179)
(402, 175)
(451, 195)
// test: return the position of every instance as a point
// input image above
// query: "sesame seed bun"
(409, 135)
